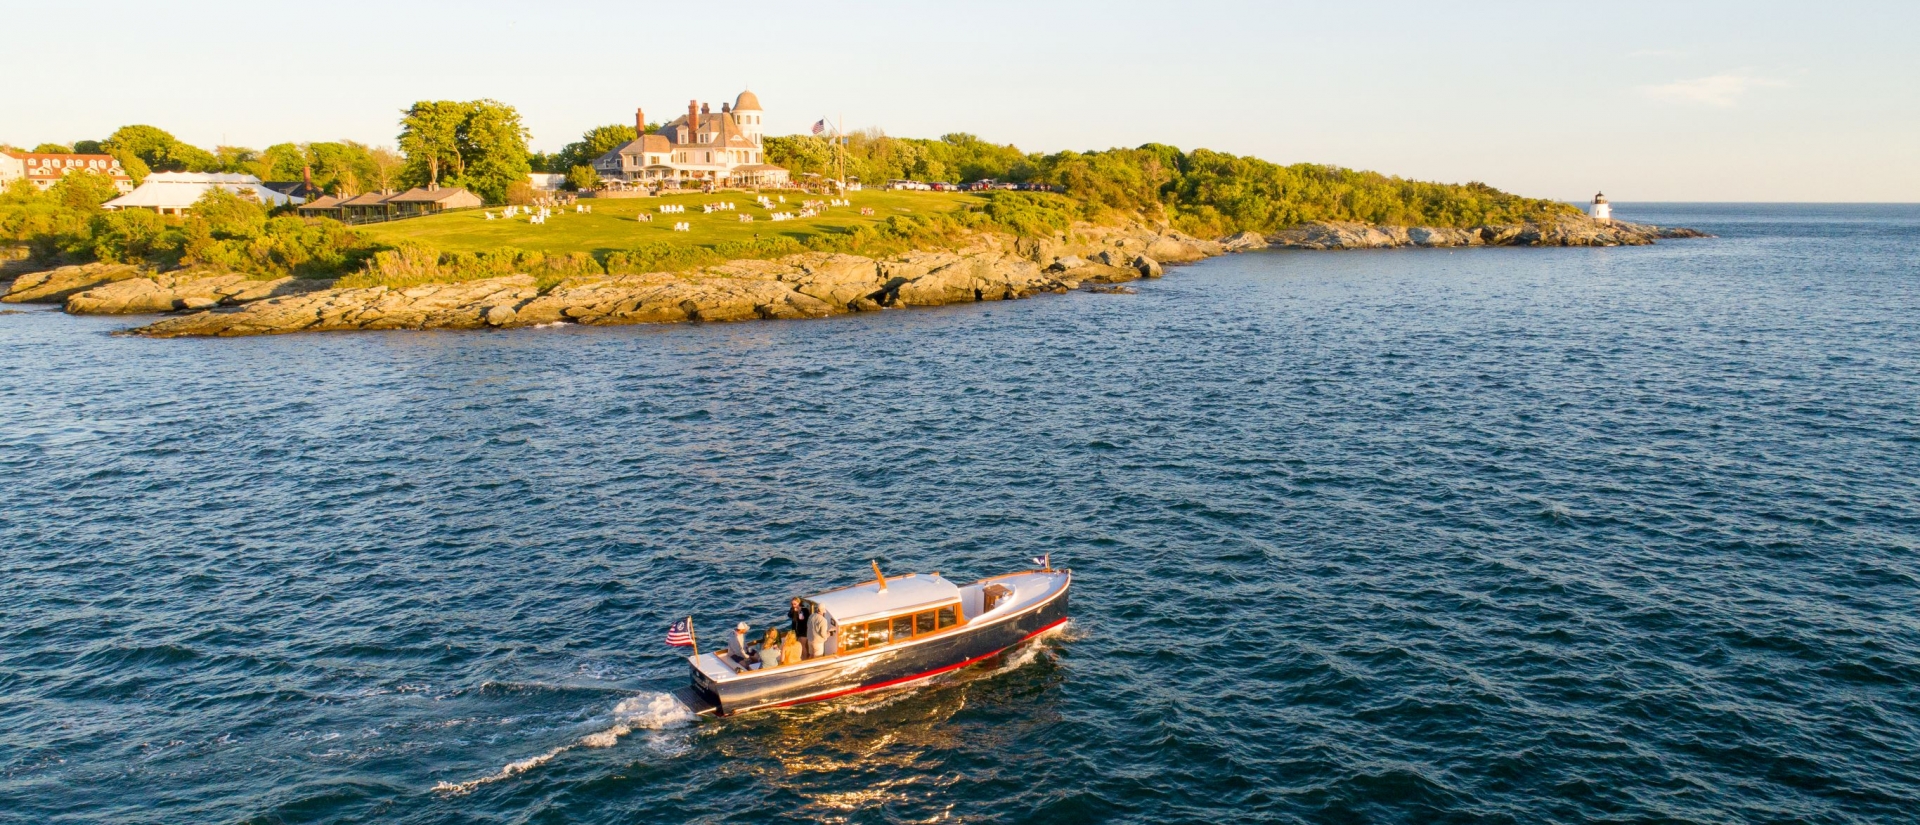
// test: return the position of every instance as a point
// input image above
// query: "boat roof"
(904, 593)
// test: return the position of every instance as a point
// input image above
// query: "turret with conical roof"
(746, 115)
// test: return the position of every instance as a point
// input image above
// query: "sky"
(1671, 101)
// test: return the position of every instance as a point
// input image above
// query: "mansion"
(702, 145)
(44, 169)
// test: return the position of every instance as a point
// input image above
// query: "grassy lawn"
(612, 225)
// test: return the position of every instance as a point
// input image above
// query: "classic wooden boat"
(892, 632)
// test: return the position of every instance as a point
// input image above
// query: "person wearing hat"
(737, 645)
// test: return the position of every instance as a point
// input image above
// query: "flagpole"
(692, 638)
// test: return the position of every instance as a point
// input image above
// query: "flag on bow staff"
(1045, 562)
(681, 633)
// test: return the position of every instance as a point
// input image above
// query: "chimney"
(693, 121)
(639, 120)
(306, 177)
(724, 109)
(703, 109)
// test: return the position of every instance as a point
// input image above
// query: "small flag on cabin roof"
(679, 635)
(819, 126)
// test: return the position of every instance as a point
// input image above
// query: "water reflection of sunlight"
(856, 754)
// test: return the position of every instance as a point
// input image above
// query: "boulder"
(56, 285)
(1148, 267)
(1243, 242)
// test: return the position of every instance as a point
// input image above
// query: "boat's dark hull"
(831, 677)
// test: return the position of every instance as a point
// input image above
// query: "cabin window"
(947, 617)
(877, 633)
(855, 638)
(923, 623)
(903, 627)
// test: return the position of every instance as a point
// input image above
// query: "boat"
(892, 632)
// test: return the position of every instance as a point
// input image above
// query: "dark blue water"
(1504, 535)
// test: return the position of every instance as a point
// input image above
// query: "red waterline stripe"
(934, 672)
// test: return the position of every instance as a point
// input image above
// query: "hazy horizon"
(1721, 102)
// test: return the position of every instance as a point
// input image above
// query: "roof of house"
(366, 199)
(298, 189)
(746, 100)
(644, 143)
(903, 594)
(421, 194)
(322, 202)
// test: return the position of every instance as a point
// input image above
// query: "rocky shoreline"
(988, 267)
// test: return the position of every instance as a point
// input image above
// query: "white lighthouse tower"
(1600, 210)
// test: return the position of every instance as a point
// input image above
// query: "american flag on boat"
(679, 635)
(1044, 562)
(819, 126)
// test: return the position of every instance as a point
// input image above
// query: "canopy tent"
(176, 192)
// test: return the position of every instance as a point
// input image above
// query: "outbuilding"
(173, 193)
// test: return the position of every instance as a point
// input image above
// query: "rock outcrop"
(1570, 231)
(809, 285)
(986, 267)
(56, 285)
(167, 292)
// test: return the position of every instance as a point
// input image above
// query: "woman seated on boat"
(790, 648)
(770, 649)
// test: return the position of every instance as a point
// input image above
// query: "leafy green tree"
(492, 149)
(582, 178)
(159, 150)
(52, 149)
(88, 147)
(384, 168)
(430, 137)
(84, 189)
(592, 144)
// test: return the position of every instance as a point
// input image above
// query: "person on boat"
(790, 648)
(737, 645)
(797, 615)
(770, 649)
(817, 634)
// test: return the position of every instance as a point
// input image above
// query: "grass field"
(612, 225)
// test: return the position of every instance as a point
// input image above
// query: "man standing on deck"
(817, 633)
(797, 615)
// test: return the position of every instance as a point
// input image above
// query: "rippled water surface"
(1417, 536)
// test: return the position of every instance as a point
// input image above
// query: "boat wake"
(647, 711)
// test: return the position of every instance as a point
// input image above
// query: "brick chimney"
(639, 120)
(693, 121)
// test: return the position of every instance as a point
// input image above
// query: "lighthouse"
(1600, 210)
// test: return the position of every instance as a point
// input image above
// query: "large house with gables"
(703, 145)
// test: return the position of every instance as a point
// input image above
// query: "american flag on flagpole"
(679, 635)
(819, 126)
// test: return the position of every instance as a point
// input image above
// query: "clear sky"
(1647, 101)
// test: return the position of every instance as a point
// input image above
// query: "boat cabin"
(874, 614)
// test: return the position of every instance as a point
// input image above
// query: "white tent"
(175, 192)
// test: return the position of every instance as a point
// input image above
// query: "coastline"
(984, 267)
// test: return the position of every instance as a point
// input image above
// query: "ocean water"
(1499, 535)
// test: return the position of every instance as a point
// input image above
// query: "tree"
(52, 149)
(430, 137)
(84, 189)
(592, 144)
(88, 147)
(159, 150)
(240, 159)
(492, 149)
(582, 177)
(386, 166)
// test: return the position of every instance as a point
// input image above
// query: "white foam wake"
(650, 711)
